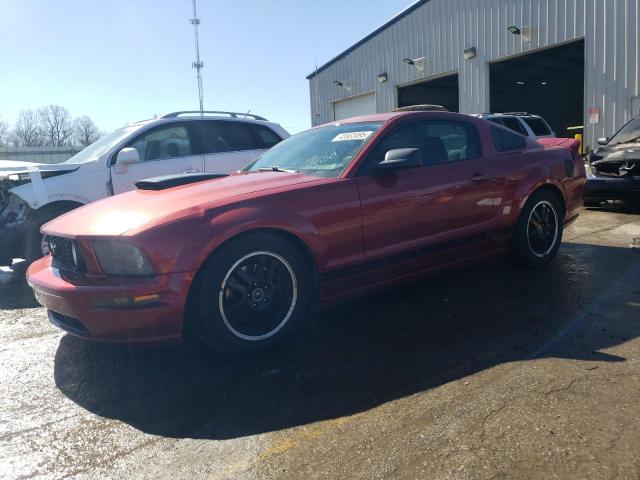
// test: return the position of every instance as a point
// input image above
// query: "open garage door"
(439, 91)
(549, 83)
(355, 106)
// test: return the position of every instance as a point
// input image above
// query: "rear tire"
(538, 233)
(250, 295)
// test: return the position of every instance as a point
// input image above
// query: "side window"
(460, 140)
(441, 141)
(515, 125)
(221, 136)
(266, 137)
(170, 141)
(538, 126)
(505, 140)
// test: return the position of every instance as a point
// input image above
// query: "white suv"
(187, 142)
(522, 122)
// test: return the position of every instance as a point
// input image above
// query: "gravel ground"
(489, 372)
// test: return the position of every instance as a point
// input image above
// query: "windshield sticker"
(351, 136)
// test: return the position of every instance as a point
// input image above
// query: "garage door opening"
(355, 106)
(548, 83)
(439, 91)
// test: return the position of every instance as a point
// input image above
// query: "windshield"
(628, 134)
(324, 151)
(99, 147)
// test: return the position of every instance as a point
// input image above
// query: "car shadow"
(616, 207)
(363, 353)
(14, 292)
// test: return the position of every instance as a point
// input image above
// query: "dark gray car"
(613, 170)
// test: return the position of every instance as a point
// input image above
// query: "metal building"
(573, 61)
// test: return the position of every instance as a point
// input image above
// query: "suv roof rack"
(517, 114)
(422, 108)
(214, 112)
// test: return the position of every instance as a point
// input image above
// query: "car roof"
(516, 115)
(385, 117)
(190, 118)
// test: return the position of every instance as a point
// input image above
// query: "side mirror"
(401, 158)
(126, 157)
(602, 141)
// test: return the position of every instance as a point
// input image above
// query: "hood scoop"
(169, 181)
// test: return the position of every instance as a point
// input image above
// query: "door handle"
(193, 170)
(479, 178)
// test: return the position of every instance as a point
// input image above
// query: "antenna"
(195, 21)
(316, 120)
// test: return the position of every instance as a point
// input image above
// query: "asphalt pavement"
(486, 372)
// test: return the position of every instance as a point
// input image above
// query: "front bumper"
(611, 188)
(76, 304)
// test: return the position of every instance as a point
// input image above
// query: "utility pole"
(195, 21)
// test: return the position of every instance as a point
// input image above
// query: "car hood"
(141, 209)
(618, 153)
(11, 167)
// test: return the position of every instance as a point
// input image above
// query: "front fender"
(208, 234)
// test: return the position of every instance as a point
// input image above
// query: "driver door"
(427, 209)
(164, 150)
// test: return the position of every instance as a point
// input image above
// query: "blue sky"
(121, 61)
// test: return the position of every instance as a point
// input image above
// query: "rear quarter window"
(515, 125)
(538, 126)
(506, 140)
(264, 136)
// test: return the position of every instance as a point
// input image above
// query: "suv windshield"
(628, 134)
(99, 147)
(324, 151)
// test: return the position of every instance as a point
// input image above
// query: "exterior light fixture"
(417, 63)
(343, 84)
(469, 53)
(543, 83)
(526, 32)
(383, 77)
(519, 83)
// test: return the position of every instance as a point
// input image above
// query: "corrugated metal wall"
(441, 29)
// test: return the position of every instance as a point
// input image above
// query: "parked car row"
(236, 260)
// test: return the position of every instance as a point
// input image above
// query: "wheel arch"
(303, 247)
(554, 190)
(58, 205)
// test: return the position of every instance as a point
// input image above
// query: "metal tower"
(195, 21)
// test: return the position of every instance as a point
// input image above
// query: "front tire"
(250, 295)
(538, 233)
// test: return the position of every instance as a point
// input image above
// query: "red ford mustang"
(334, 211)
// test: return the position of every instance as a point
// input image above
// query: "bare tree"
(27, 131)
(55, 124)
(4, 133)
(85, 131)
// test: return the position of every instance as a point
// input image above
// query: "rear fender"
(535, 179)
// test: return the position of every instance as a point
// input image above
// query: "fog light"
(127, 302)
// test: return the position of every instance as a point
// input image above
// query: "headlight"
(588, 171)
(121, 258)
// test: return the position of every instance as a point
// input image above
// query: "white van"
(31, 194)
